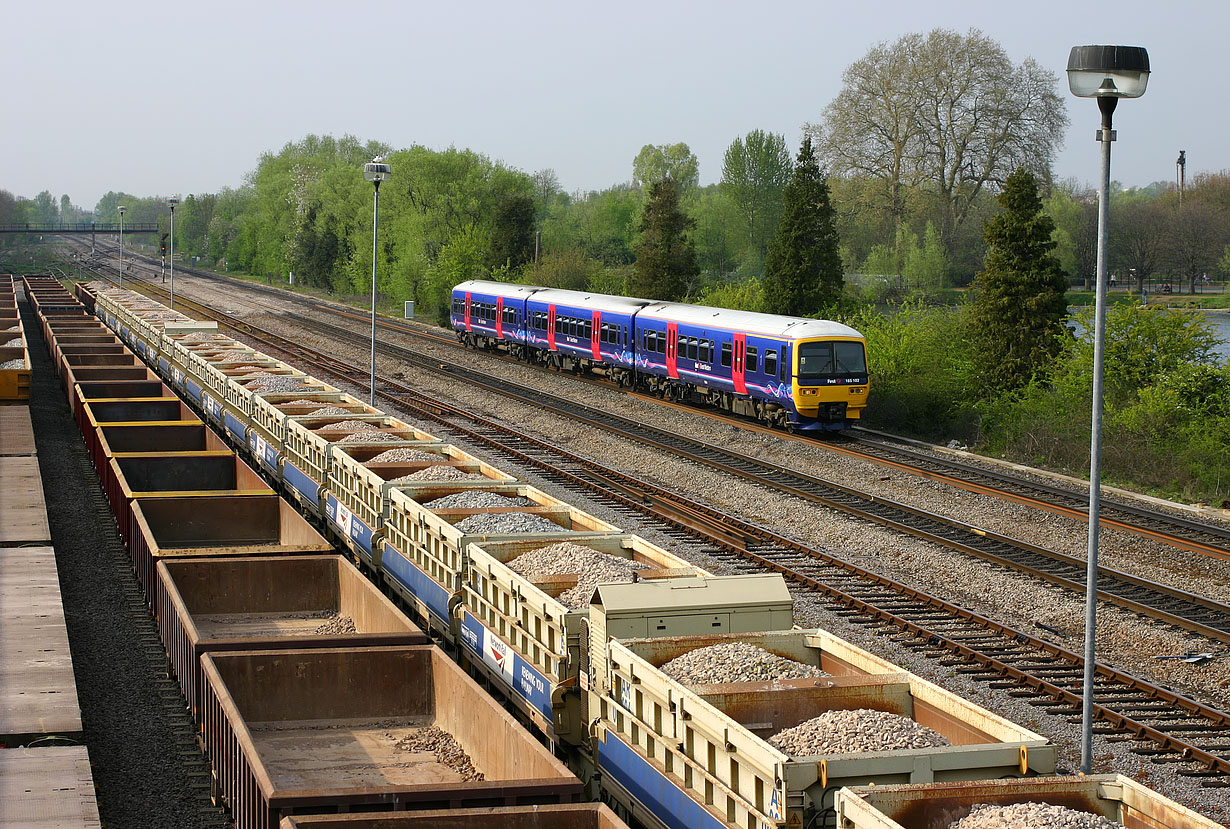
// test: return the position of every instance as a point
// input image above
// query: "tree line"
(931, 169)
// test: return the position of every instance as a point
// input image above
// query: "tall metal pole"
(375, 230)
(1106, 135)
(121, 248)
(172, 257)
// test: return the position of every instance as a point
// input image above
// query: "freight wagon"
(588, 675)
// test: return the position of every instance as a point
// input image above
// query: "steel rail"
(738, 538)
(1203, 538)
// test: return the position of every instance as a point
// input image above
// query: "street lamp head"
(174, 200)
(122, 209)
(377, 170)
(1108, 71)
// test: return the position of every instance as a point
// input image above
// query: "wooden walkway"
(47, 788)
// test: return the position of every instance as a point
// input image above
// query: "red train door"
(738, 363)
(467, 310)
(672, 350)
(499, 317)
(551, 327)
(595, 337)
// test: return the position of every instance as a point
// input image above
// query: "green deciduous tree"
(926, 264)
(1019, 308)
(755, 171)
(666, 257)
(656, 162)
(803, 271)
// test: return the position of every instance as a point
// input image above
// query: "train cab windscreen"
(823, 361)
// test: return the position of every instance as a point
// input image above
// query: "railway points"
(966, 648)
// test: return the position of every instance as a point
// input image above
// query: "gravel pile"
(16, 341)
(506, 523)
(304, 402)
(565, 558)
(404, 454)
(370, 437)
(446, 748)
(736, 662)
(442, 472)
(7, 330)
(854, 731)
(478, 499)
(350, 426)
(277, 383)
(230, 356)
(1030, 816)
(200, 337)
(330, 411)
(336, 625)
(20, 362)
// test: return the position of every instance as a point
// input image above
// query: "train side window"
(689, 348)
(727, 348)
(752, 353)
(662, 342)
(705, 352)
(770, 361)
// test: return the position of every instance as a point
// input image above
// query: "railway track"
(1156, 722)
(1162, 527)
(1176, 607)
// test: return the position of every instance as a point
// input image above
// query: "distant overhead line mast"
(1181, 173)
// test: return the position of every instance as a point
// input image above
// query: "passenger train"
(788, 372)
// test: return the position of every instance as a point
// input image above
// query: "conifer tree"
(666, 257)
(1019, 307)
(803, 271)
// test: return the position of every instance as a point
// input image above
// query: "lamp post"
(1107, 73)
(172, 202)
(122, 210)
(375, 171)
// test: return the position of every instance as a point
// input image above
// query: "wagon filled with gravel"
(362, 476)
(271, 411)
(425, 547)
(771, 751)
(526, 600)
(308, 448)
(1100, 801)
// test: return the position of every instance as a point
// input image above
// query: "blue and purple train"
(788, 372)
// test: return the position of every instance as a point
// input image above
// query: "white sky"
(155, 98)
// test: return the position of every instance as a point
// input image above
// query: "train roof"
(504, 289)
(586, 299)
(751, 322)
